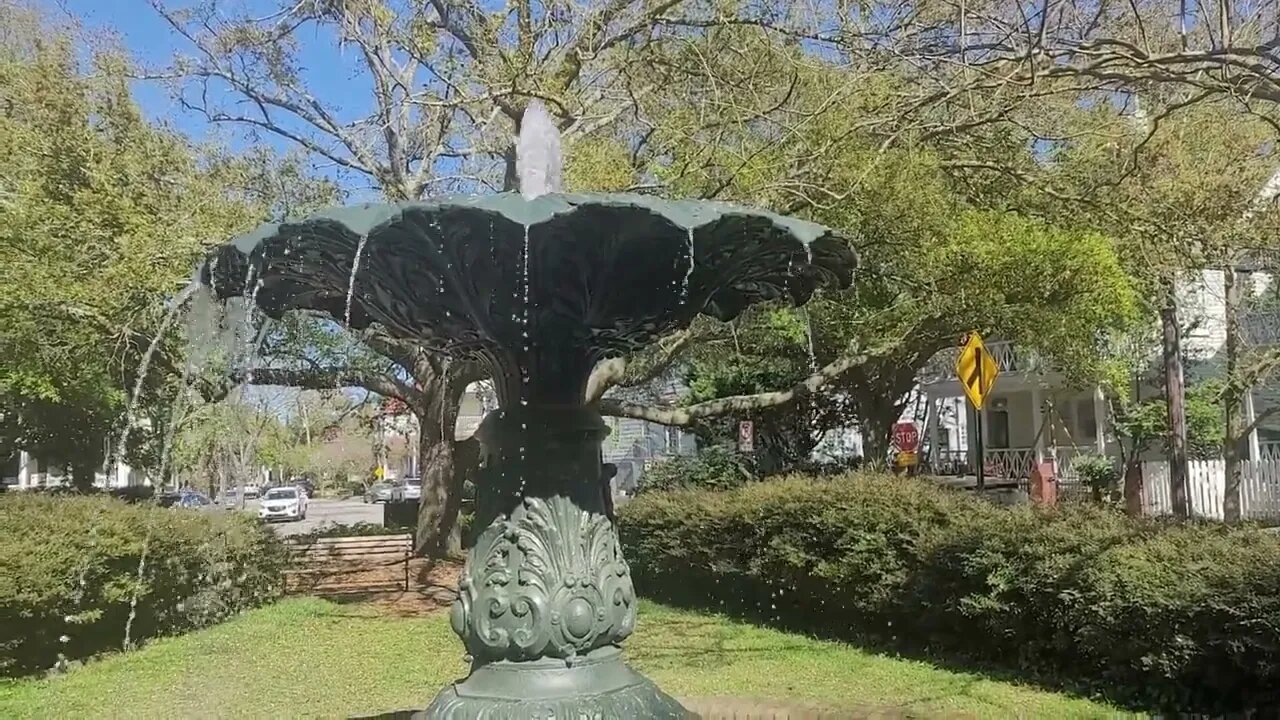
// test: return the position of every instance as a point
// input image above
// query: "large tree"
(938, 259)
(441, 87)
(102, 216)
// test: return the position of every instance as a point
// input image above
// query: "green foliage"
(713, 468)
(337, 530)
(935, 264)
(1146, 424)
(102, 218)
(1101, 475)
(1159, 616)
(75, 568)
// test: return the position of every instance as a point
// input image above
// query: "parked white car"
(412, 489)
(283, 503)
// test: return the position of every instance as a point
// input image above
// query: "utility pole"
(1232, 398)
(1175, 401)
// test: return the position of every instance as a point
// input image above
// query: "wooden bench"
(350, 564)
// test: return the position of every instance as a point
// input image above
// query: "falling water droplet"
(808, 329)
(213, 276)
(351, 282)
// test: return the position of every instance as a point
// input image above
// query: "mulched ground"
(432, 584)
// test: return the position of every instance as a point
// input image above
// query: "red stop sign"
(906, 437)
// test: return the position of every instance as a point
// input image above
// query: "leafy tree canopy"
(102, 218)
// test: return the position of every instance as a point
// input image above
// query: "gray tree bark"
(1232, 399)
(1175, 402)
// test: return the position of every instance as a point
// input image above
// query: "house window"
(998, 420)
(673, 441)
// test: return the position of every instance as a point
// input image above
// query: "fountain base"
(599, 686)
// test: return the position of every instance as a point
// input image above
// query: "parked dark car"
(306, 486)
(189, 499)
(133, 493)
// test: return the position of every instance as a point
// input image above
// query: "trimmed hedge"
(714, 468)
(338, 530)
(71, 568)
(1151, 614)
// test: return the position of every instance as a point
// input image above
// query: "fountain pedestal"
(546, 599)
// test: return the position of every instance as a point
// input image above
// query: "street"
(326, 512)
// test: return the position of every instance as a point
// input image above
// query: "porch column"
(24, 469)
(1100, 419)
(932, 417)
(1250, 415)
(986, 431)
(971, 434)
(1037, 422)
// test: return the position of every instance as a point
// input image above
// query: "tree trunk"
(1175, 402)
(1133, 489)
(1232, 399)
(877, 430)
(438, 534)
(82, 477)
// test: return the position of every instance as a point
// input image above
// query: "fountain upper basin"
(503, 275)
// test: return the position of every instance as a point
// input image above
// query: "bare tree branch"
(737, 404)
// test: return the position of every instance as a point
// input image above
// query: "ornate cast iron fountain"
(539, 286)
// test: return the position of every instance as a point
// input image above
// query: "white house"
(1034, 415)
(25, 471)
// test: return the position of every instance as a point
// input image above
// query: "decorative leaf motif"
(549, 582)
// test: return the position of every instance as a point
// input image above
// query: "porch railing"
(1008, 356)
(1007, 463)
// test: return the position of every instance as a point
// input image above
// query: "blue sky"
(329, 73)
(150, 40)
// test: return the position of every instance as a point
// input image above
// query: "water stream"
(351, 281)
(684, 286)
(130, 415)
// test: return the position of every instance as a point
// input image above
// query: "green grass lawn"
(316, 659)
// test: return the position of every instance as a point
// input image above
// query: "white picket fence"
(1206, 482)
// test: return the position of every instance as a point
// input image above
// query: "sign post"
(977, 372)
(746, 436)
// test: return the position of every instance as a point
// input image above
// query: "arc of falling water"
(688, 273)
(131, 409)
(351, 282)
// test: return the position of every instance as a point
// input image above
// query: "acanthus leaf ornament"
(548, 582)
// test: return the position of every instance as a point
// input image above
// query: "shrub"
(1179, 617)
(359, 529)
(713, 468)
(1101, 475)
(76, 571)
